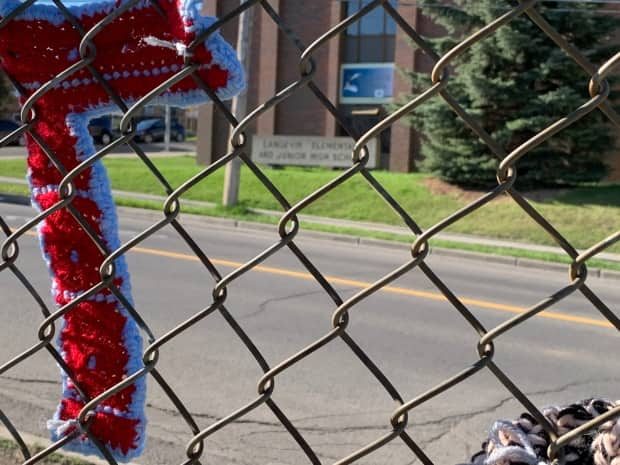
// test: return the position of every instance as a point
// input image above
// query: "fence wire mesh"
(396, 425)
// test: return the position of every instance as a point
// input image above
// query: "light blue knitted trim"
(51, 14)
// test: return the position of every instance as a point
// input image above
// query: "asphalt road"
(416, 338)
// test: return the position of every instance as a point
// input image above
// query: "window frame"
(354, 37)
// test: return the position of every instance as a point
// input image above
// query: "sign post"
(232, 173)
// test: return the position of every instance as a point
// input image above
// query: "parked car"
(7, 126)
(101, 129)
(153, 130)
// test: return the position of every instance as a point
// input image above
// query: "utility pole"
(239, 104)
(167, 130)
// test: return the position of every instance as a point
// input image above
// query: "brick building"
(373, 45)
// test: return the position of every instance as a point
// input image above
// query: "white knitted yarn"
(525, 442)
(606, 446)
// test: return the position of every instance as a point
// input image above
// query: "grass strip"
(14, 189)
(569, 211)
(10, 454)
(241, 213)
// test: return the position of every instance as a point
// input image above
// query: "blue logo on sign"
(367, 83)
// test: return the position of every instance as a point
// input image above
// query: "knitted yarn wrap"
(525, 442)
(139, 50)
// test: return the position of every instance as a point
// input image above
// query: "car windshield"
(145, 124)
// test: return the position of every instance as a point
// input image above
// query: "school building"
(368, 52)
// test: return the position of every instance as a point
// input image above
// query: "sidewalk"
(363, 226)
(155, 150)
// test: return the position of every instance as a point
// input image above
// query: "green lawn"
(584, 215)
(10, 454)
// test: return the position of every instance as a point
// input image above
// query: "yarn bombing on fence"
(135, 52)
(525, 442)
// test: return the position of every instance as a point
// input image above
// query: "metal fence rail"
(396, 422)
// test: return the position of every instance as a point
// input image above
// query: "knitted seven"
(137, 51)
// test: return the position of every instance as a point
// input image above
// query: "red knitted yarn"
(98, 340)
(115, 434)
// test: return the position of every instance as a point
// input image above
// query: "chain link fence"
(289, 227)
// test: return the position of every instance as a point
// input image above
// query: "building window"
(372, 38)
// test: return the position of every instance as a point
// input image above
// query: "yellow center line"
(391, 289)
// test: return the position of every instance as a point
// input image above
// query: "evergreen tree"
(516, 82)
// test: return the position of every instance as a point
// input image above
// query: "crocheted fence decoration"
(525, 441)
(140, 49)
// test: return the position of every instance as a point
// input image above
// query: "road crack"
(451, 421)
(263, 306)
(29, 380)
(456, 419)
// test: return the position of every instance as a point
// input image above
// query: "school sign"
(308, 151)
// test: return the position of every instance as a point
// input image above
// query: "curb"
(199, 221)
(16, 199)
